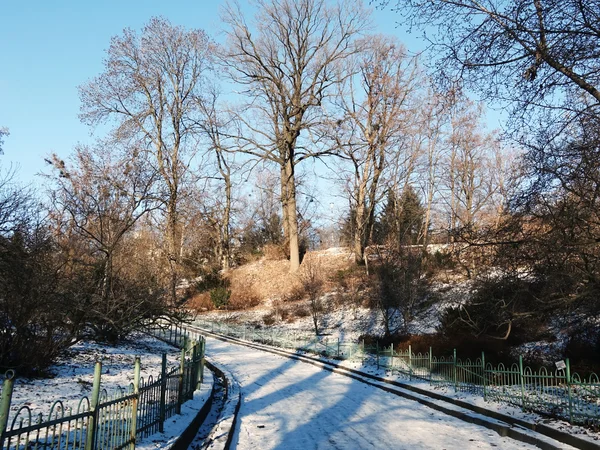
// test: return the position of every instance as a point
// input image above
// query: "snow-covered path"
(287, 404)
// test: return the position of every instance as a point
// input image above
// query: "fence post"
(430, 364)
(90, 441)
(454, 372)
(392, 357)
(338, 349)
(363, 350)
(409, 362)
(483, 375)
(7, 390)
(522, 382)
(163, 394)
(568, 374)
(135, 402)
(181, 380)
(377, 350)
(193, 383)
(202, 354)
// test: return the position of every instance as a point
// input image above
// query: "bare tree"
(533, 54)
(287, 66)
(3, 132)
(469, 182)
(312, 282)
(376, 106)
(150, 88)
(213, 125)
(97, 200)
(432, 119)
(102, 197)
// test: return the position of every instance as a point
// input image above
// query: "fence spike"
(163, 394)
(135, 402)
(5, 400)
(90, 442)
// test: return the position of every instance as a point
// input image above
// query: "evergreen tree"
(410, 217)
(402, 219)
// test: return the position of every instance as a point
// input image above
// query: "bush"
(296, 294)
(34, 313)
(274, 252)
(243, 300)
(300, 311)
(400, 288)
(269, 319)
(209, 280)
(220, 296)
(200, 302)
(502, 308)
(583, 348)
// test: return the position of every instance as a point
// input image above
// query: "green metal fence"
(556, 393)
(103, 421)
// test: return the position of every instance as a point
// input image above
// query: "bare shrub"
(269, 319)
(274, 252)
(243, 300)
(352, 287)
(400, 290)
(296, 294)
(312, 281)
(301, 311)
(200, 302)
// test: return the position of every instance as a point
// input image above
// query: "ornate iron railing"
(103, 421)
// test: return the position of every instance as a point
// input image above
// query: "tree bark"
(292, 216)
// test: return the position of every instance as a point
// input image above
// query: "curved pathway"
(287, 404)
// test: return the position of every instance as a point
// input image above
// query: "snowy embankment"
(72, 376)
(292, 405)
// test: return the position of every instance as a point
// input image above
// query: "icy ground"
(287, 404)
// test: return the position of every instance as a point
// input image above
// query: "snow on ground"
(287, 404)
(344, 322)
(340, 319)
(175, 426)
(369, 366)
(73, 374)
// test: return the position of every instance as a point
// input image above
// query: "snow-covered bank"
(72, 376)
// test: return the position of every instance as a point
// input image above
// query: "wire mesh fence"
(553, 392)
(106, 421)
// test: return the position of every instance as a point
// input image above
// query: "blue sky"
(49, 48)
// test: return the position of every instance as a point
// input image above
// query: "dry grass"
(269, 279)
(265, 279)
(200, 302)
(243, 299)
(274, 252)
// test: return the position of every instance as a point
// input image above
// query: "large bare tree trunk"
(292, 216)
(361, 217)
(289, 62)
(173, 247)
(284, 209)
(359, 234)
